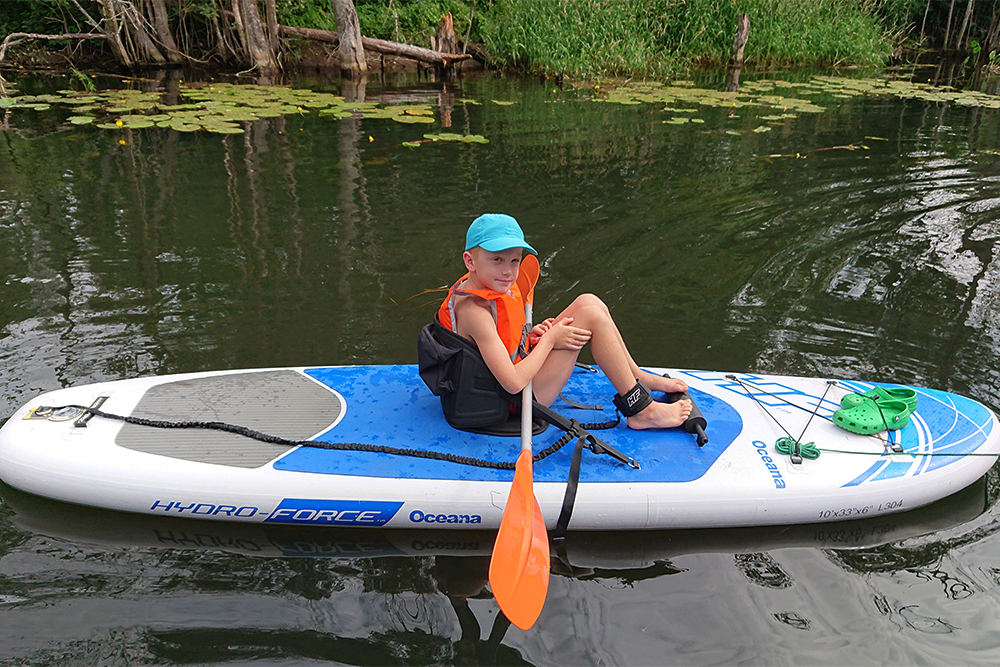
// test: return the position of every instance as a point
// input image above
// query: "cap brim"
(501, 244)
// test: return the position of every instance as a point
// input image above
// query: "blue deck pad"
(390, 405)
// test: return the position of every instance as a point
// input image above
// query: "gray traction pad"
(282, 403)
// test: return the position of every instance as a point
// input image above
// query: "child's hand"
(543, 326)
(539, 331)
(567, 337)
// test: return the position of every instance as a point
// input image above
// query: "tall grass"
(657, 37)
(818, 32)
(578, 36)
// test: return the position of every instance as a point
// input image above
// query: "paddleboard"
(738, 478)
(617, 551)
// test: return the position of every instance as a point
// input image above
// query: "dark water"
(302, 241)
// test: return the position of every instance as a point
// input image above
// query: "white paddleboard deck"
(737, 479)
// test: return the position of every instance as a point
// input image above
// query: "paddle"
(519, 568)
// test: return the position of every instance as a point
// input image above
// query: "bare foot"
(661, 415)
(660, 383)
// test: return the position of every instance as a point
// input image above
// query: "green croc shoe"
(869, 417)
(882, 394)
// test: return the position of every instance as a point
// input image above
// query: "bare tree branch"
(18, 37)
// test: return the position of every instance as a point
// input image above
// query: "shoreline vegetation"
(582, 39)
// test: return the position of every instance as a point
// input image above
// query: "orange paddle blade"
(519, 569)
(528, 277)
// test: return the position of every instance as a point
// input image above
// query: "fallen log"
(379, 46)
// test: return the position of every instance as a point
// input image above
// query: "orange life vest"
(508, 313)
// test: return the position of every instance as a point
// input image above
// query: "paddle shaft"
(526, 398)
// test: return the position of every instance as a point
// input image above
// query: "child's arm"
(478, 323)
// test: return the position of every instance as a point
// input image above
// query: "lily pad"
(268, 112)
(418, 111)
(336, 113)
(86, 99)
(224, 128)
(412, 119)
(137, 122)
(458, 138)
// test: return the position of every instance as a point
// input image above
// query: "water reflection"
(899, 276)
(395, 597)
(860, 257)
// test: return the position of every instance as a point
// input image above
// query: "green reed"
(661, 37)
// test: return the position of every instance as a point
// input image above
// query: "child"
(486, 307)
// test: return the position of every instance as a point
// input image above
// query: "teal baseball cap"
(495, 232)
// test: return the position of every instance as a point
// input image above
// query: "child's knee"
(591, 301)
(590, 311)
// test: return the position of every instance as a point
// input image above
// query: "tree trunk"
(113, 29)
(740, 41)
(161, 25)
(352, 53)
(222, 41)
(238, 25)
(923, 24)
(129, 40)
(947, 29)
(258, 49)
(992, 40)
(736, 58)
(965, 24)
(445, 40)
(272, 25)
(134, 24)
(468, 29)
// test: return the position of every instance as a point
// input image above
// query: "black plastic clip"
(81, 422)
